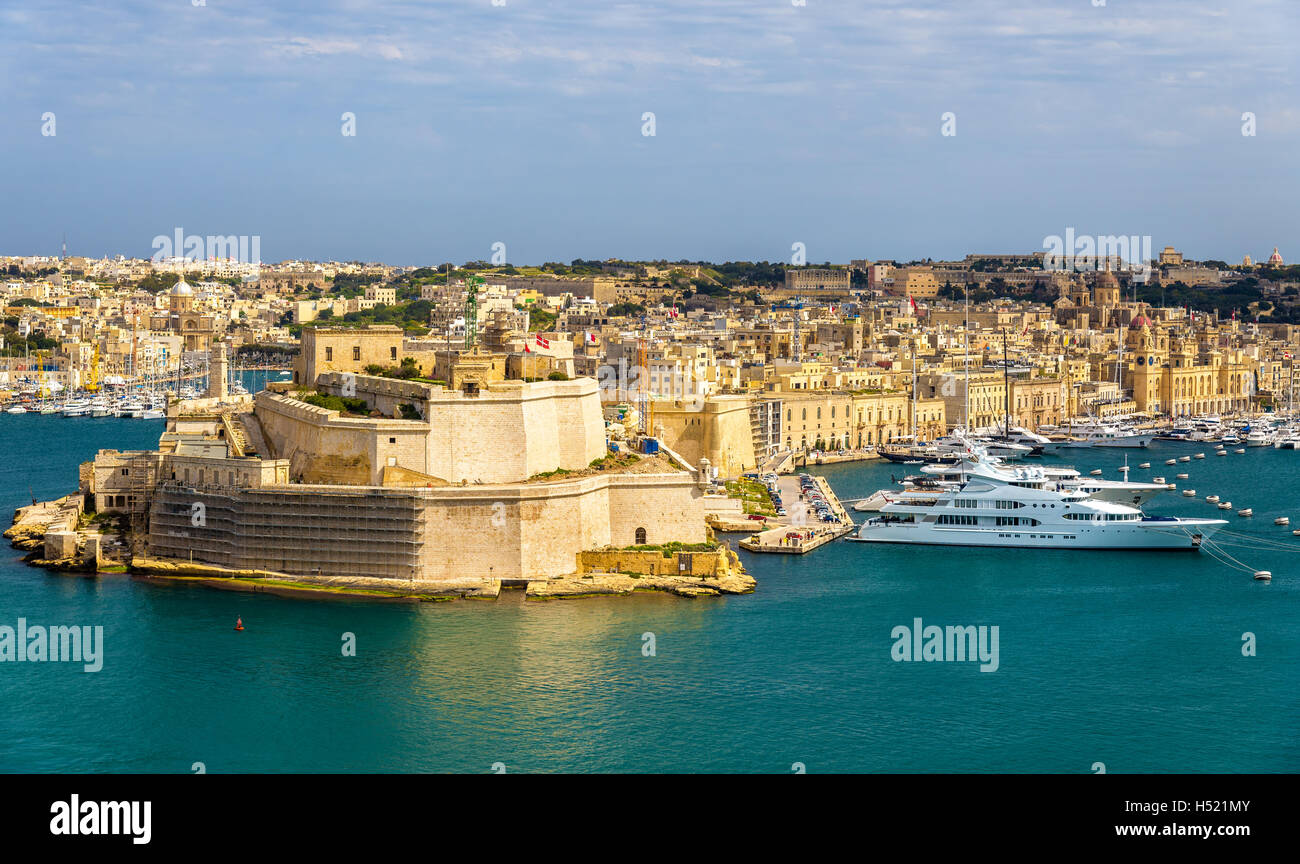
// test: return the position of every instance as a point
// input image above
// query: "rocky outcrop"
(31, 524)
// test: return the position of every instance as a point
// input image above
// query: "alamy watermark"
(237, 248)
(1084, 253)
(950, 644)
(625, 383)
(59, 644)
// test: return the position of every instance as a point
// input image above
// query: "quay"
(799, 532)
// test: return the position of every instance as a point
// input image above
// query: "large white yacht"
(1107, 435)
(1131, 492)
(1022, 507)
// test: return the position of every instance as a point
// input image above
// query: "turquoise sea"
(1133, 660)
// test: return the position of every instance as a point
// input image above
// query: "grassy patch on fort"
(669, 549)
(753, 494)
(343, 405)
(617, 463)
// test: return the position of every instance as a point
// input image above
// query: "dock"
(799, 533)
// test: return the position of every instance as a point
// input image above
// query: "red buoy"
(239, 623)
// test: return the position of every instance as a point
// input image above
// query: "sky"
(774, 124)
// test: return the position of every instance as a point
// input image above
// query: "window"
(356, 352)
(392, 352)
(329, 354)
(392, 440)
(640, 536)
(969, 503)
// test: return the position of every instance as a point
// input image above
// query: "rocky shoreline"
(57, 535)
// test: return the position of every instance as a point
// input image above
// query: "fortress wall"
(670, 508)
(523, 531)
(323, 447)
(506, 433)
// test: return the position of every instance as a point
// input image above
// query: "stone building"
(1170, 375)
(195, 328)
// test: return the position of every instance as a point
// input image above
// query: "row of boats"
(141, 404)
(1017, 442)
(979, 500)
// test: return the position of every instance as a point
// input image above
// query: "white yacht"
(958, 443)
(1131, 492)
(1022, 508)
(1107, 435)
(1260, 438)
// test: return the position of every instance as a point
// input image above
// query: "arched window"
(640, 536)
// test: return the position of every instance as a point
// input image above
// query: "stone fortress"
(414, 484)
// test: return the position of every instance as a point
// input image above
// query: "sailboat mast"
(1006, 388)
(966, 356)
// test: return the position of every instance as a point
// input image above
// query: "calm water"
(1131, 659)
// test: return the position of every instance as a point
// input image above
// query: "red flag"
(527, 350)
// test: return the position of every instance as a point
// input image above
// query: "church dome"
(182, 287)
(1139, 322)
(1276, 258)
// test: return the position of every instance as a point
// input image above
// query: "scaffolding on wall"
(369, 534)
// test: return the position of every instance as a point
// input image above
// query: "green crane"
(471, 310)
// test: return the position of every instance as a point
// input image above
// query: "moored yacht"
(1107, 435)
(1023, 508)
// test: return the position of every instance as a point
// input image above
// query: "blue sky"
(775, 124)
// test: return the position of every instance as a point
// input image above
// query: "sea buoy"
(1145, 465)
(1213, 499)
(1246, 511)
(1182, 476)
(1189, 493)
(1282, 520)
(239, 623)
(1263, 576)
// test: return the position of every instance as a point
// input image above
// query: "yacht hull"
(1163, 535)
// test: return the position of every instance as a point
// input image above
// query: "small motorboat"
(1220, 452)
(1213, 499)
(1225, 505)
(1282, 520)
(1171, 461)
(1181, 476)
(1096, 472)
(1245, 511)
(1200, 456)
(1189, 493)
(1145, 465)
(1240, 450)
(1189, 458)
(1263, 576)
